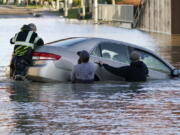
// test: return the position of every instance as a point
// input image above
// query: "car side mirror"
(175, 73)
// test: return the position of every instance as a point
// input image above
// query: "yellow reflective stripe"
(24, 44)
(18, 48)
(14, 38)
(29, 36)
(36, 40)
(22, 53)
(21, 50)
(26, 47)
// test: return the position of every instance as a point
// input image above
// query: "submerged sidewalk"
(14, 10)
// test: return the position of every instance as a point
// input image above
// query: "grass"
(72, 13)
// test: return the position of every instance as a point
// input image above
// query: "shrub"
(118, 0)
(76, 3)
(109, 1)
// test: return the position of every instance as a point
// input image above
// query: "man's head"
(134, 56)
(25, 27)
(84, 56)
(32, 26)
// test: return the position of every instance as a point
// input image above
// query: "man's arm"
(13, 39)
(122, 71)
(146, 69)
(38, 41)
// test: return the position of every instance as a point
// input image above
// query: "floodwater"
(103, 108)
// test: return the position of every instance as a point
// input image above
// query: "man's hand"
(100, 63)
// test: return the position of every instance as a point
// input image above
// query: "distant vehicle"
(36, 14)
(55, 60)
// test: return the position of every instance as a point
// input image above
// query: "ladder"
(138, 13)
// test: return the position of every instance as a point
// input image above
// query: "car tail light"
(45, 56)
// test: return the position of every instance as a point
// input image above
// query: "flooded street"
(103, 108)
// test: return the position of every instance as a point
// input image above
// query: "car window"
(96, 51)
(112, 51)
(153, 62)
(67, 42)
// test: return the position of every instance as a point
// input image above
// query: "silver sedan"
(54, 61)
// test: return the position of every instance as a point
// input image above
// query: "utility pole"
(4, 2)
(95, 11)
(90, 5)
(113, 2)
(57, 4)
(83, 8)
(19, 2)
(65, 8)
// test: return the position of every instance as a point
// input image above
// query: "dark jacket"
(137, 71)
(20, 49)
(25, 42)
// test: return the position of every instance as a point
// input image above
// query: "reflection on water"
(171, 54)
(102, 108)
(165, 39)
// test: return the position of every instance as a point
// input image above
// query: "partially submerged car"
(54, 61)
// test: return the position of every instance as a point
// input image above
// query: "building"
(175, 17)
(154, 16)
(161, 16)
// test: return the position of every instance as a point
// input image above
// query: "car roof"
(88, 43)
(91, 41)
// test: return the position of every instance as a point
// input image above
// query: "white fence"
(121, 13)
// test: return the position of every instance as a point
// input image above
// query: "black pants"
(19, 65)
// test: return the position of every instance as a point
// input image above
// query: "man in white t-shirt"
(83, 72)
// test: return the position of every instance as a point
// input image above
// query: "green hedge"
(76, 3)
(110, 1)
(118, 0)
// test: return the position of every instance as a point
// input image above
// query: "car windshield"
(67, 42)
(152, 62)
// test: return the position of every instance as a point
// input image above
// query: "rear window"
(67, 42)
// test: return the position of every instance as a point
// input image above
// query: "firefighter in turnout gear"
(25, 42)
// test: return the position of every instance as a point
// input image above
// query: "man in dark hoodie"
(137, 71)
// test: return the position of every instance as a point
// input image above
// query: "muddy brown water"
(102, 108)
